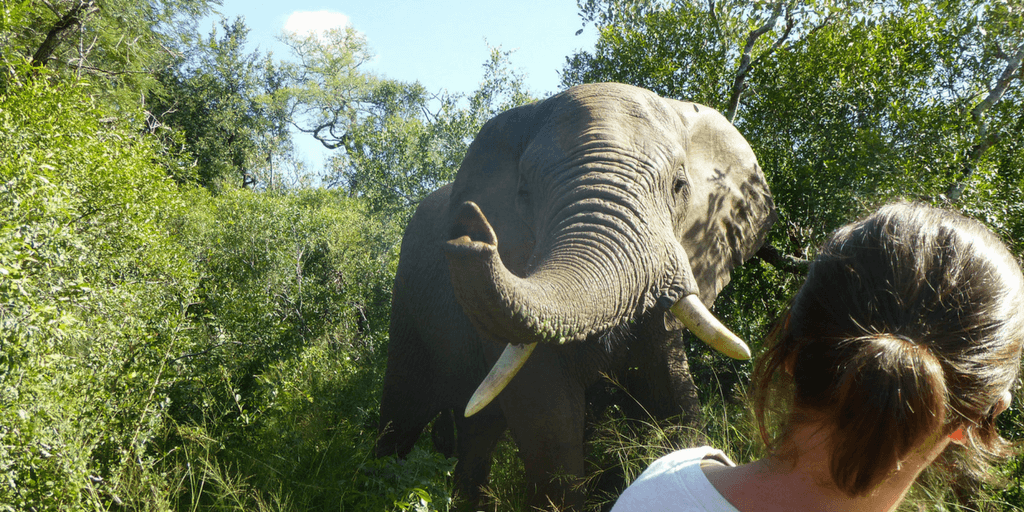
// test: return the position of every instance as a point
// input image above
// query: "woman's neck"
(804, 482)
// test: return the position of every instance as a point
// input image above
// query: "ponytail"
(888, 396)
(909, 325)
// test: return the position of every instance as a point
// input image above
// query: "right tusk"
(511, 360)
(691, 311)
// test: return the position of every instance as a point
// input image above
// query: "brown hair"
(910, 320)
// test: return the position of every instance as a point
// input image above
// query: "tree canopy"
(215, 106)
(393, 142)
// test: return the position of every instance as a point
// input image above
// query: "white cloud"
(308, 22)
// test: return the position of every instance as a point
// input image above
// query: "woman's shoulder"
(676, 482)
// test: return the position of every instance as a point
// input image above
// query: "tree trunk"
(76, 16)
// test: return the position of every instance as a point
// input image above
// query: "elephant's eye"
(678, 186)
(524, 203)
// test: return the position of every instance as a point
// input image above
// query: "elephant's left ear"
(731, 208)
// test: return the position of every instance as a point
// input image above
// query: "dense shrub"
(164, 348)
(90, 303)
(283, 393)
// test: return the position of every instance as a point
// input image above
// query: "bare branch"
(1003, 83)
(790, 23)
(76, 16)
(739, 84)
(987, 140)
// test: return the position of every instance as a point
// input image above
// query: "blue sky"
(441, 43)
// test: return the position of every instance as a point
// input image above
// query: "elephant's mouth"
(504, 307)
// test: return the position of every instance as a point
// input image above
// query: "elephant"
(580, 235)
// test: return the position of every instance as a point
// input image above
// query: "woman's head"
(910, 324)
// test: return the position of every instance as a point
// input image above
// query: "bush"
(90, 294)
(163, 349)
(279, 406)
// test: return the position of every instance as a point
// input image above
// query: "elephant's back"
(421, 260)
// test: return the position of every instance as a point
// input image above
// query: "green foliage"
(395, 142)
(646, 55)
(89, 303)
(215, 101)
(400, 151)
(878, 93)
(279, 403)
(170, 349)
(113, 45)
(279, 271)
(325, 92)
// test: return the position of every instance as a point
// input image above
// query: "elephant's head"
(575, 215)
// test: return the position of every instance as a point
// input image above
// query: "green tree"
(401, 150)
(115, 45)
(394, 142)
(326, 90)
(216, 100)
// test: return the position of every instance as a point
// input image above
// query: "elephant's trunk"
(562, 302)
(581, 289)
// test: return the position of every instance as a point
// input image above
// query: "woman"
(906, 337)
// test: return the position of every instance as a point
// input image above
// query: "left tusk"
(691, 311)
(511, 360)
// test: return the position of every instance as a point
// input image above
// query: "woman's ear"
(1001, 405)
(958, 436)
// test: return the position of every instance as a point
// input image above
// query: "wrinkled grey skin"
(601, 206)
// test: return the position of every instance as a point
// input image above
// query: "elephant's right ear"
(731, 208)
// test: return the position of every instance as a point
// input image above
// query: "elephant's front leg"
(478, 435)
(544, 407)
(659, 374)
